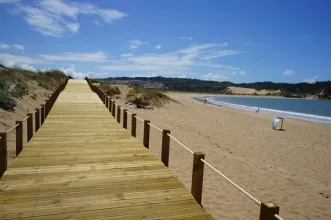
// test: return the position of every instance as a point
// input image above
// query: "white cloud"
(134, 44)
(158, 46)
(77, 57)
(180, 62)
(73, 27)
(28, 67)
(12, 60)
(312, 80)
(126, 54)
(242, 73)
(57, 17)
(71, 71)
(215, 77)
(4, 46)
(18, 47)
(221, 53)
(186, 38)
(96, 22)
(288, 72)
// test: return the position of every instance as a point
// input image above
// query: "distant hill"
(318, 90)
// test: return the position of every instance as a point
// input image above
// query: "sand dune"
(290, 168)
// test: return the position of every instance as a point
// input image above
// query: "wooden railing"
(40, 115)
(268, 210)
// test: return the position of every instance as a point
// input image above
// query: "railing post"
(146, 133)
(165, 147)
(37, 119)
(3, 153)
(19, 137)
(113, 109)
(104, 98)
(125, 118)
(107, 101)
(29, 126)
(46, 108)
(42, 115)
(133, 125)
(119, 114)
(109, 104)
(197, 176)
(268, 210)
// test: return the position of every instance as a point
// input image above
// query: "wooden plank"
(82, 164)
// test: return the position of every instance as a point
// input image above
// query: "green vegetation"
(319, 89)
(109, 89)
(145, 97)
(14, 83)
(94, 81)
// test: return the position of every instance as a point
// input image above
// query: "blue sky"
(239, 41)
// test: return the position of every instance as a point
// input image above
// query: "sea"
(311, 110)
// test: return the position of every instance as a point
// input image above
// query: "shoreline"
(287, 114)
(285, 167)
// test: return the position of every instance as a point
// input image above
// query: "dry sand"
(28, 104)
(289, 168)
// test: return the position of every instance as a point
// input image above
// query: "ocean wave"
(297, 115)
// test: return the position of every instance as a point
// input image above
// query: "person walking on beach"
(205, 100)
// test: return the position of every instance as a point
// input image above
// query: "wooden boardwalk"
(82, 164)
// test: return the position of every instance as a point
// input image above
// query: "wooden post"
(109, 104)
(42, 115)
(133, 125)
(3, 153)
(197, 176)
(107, 98)
(37, 119)
(113, 109)
(125, 118)
(165, 147)
(29, 126)
(268, 210)
(119, 114)
(19, 137)
(146, 133)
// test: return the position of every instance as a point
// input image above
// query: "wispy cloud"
(221, 53)
(134, 44)
(186, 38)
(18, 47)
(4, 46)
(179, 62)
(215, 77)
(311, 80)
(159, 46)
(288, 72)
(76, 57)
(126, 54)
(57, 17)
(12, 60)
(96, 22)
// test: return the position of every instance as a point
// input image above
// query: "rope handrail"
(278, 217)
(129, 112)
(13, 128)
(139, 118)
(26, 118)
(155, 127)
(233, 183)
(186, 148)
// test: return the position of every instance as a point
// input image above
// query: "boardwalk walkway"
(82, 164)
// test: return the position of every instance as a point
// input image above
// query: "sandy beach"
(289, 168)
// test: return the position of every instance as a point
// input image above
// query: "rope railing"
(186, 148)
(11, 129)
(233, 183)
(155, 127)
(40, 113)
(198, 158)
(278, 217)
(139, 118)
